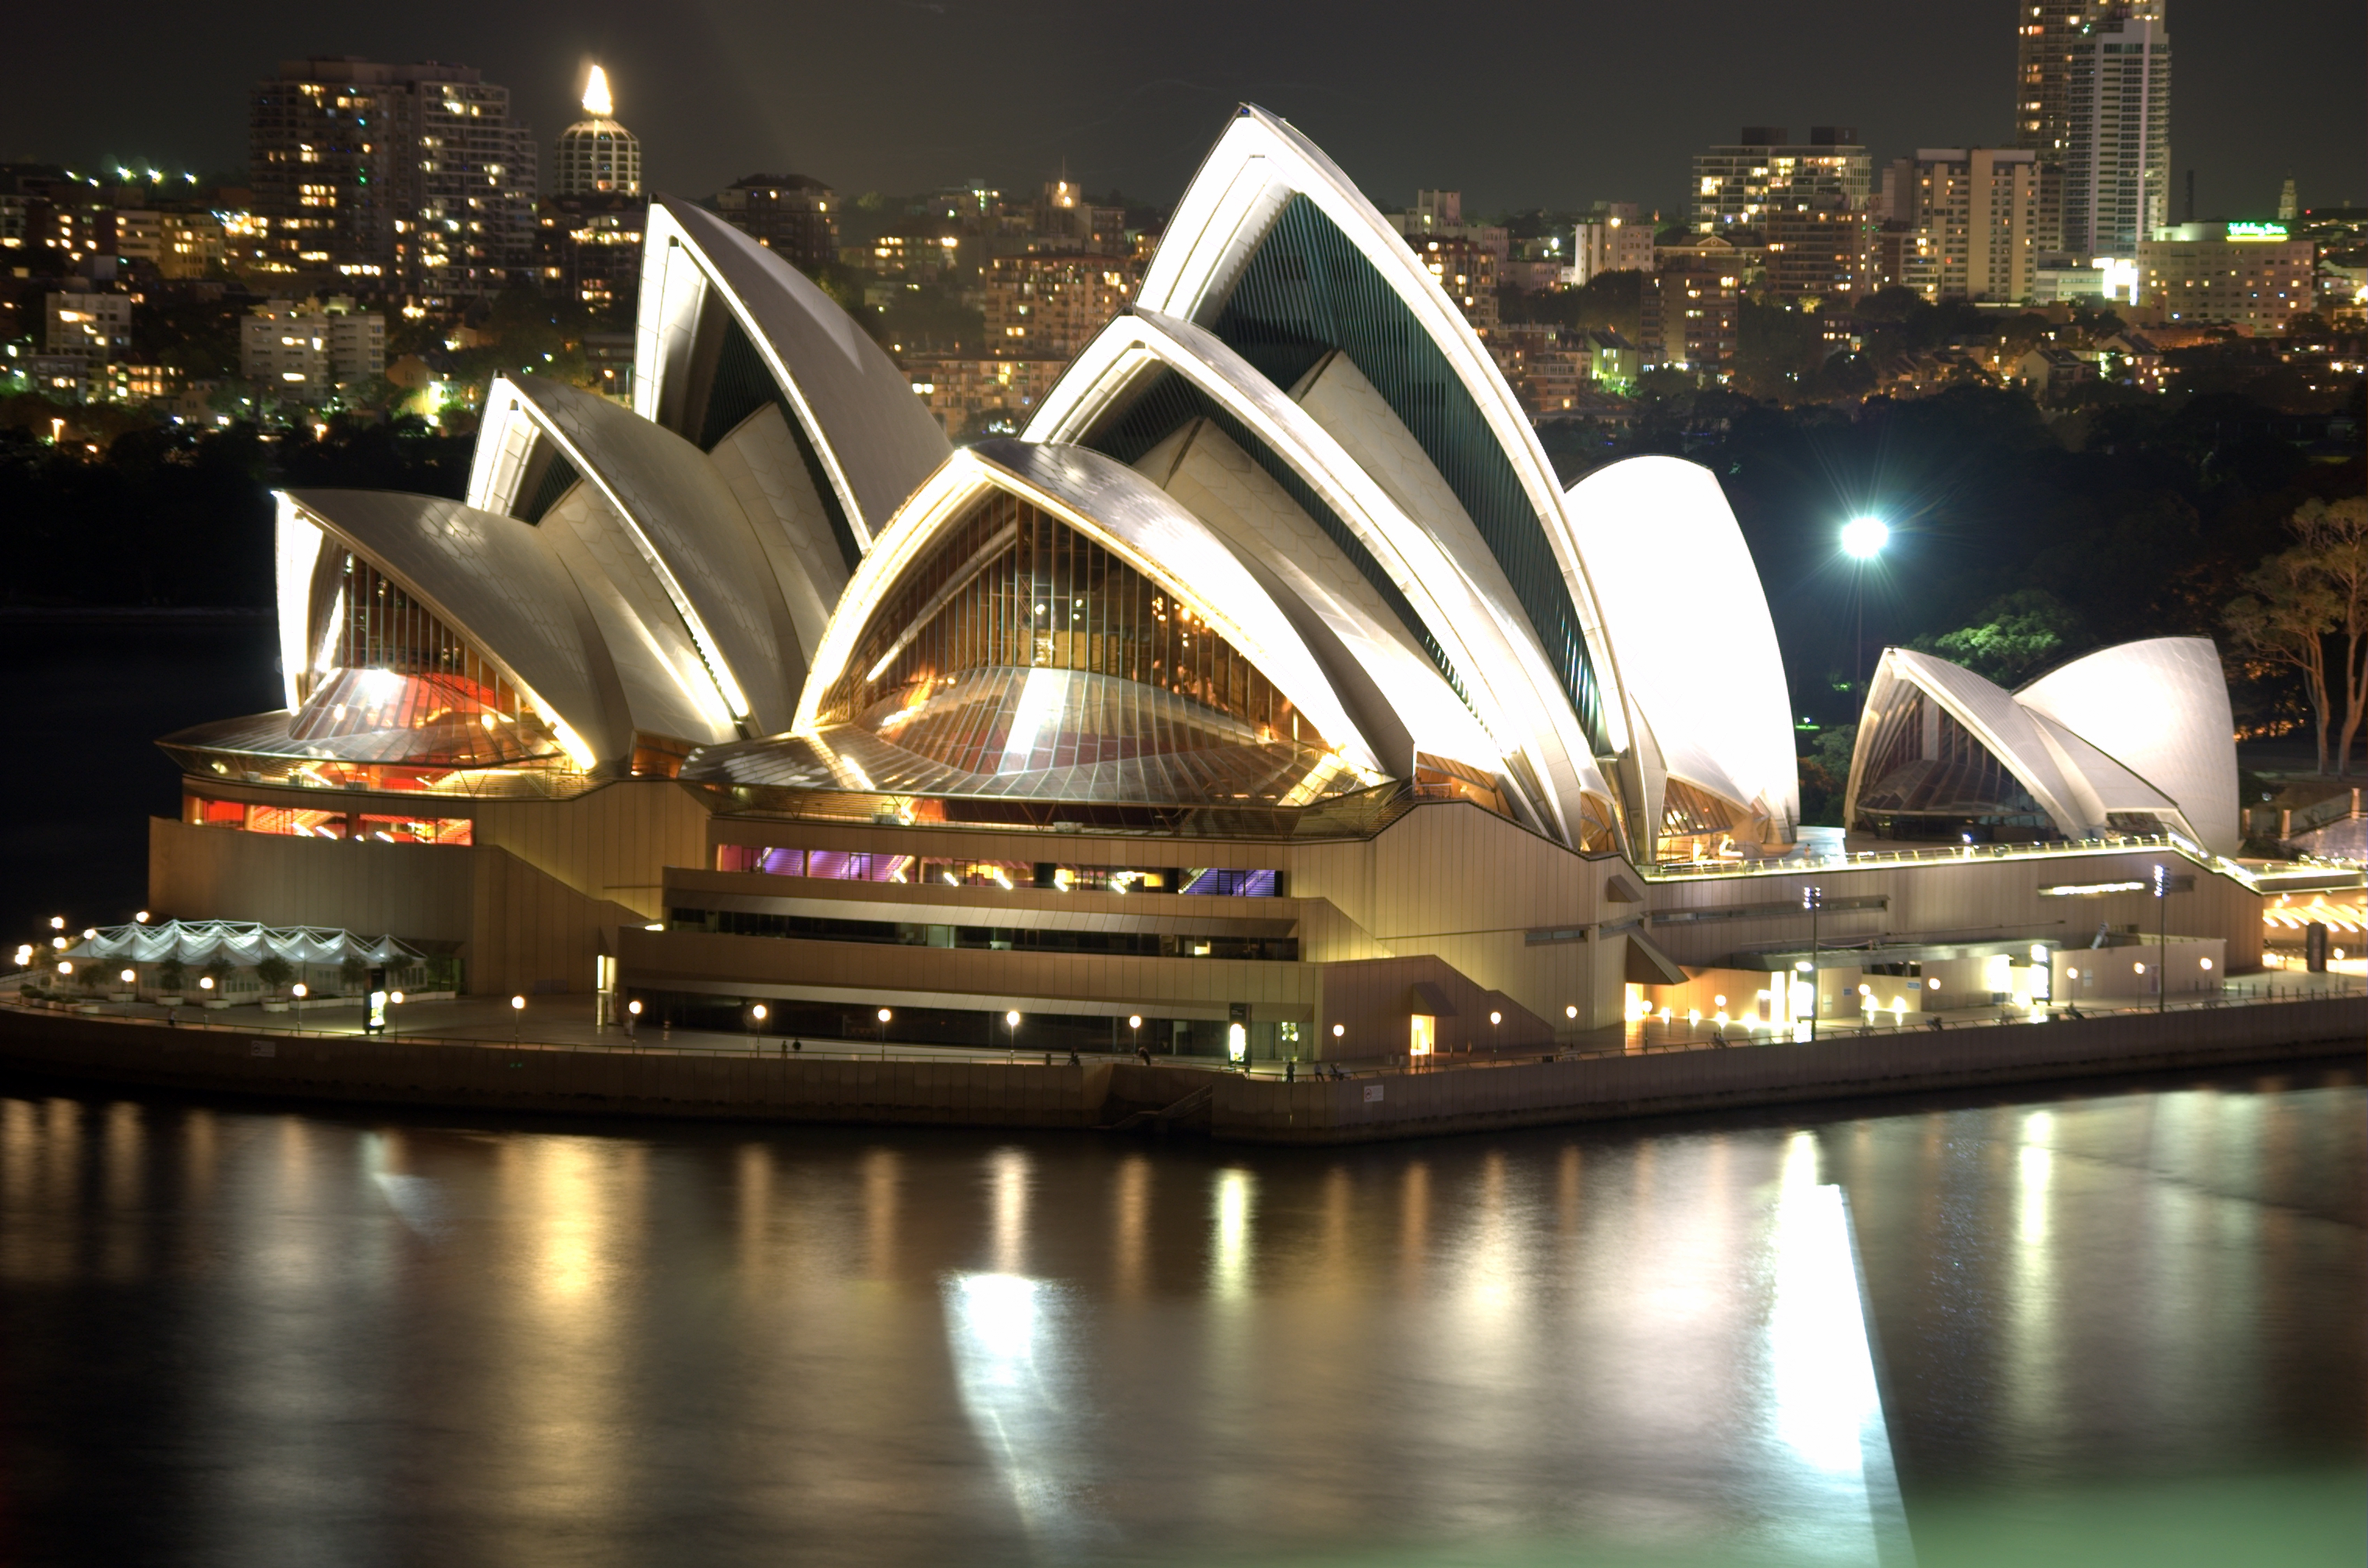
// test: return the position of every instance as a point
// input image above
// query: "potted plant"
(218, 969)
(275, 972)
(172, 980)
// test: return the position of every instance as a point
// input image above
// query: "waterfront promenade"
(476, 1053)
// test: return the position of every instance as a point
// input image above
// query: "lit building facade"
(1736, 185)
(2249, 275)
(1617, 239)
(1045, 304)
(405, 176)
(306, 351)
(1973, 217)
(791, 215)
(1267, 688)
(2117, 159)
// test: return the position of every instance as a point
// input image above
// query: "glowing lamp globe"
(1864, 537)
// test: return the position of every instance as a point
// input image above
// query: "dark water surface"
(2123, 1328)
(88, 696)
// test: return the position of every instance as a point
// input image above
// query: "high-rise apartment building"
(1973, 220)
(1821, 251)
(597, 155)
(1040, 304)
(791, 215)
(413, 176)
(1735, 186)
(2117, 160)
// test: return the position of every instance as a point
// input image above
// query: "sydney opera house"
(1267, 690)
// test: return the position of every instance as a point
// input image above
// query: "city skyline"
(738, 89)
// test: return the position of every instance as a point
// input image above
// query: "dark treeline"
(165, 516)
(2114, 523)
(2016, 542)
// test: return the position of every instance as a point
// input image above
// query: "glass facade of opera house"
(1269, 686)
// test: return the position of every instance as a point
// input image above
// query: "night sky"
(1515, 104)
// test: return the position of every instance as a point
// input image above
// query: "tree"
(2336, 536)
(274, 971)
(2016, 636)
(2284, 621)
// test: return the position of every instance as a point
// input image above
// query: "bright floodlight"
(1864, 536)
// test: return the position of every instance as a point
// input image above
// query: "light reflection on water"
(261, 1336)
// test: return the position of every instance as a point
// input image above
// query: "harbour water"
(2121, 1325)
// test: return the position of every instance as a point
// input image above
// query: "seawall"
(993, 1092)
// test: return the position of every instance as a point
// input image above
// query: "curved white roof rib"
(1241, 188)
(1125, 513)
(1493, 651)
(2079, 786)
(495, 581)
(871, 435)
(2161, 708)
(1396, 695)
(1715, 701)
(689, 528)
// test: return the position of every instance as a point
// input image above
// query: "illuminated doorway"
(1422, 1036)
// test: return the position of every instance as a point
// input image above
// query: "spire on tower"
(595, 95)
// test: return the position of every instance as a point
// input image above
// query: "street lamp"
(1011, 1029)
(632, 1014)
(1813, 899)
(885, 1017)
(1134, 1031)
(518, 1007)
(1863, 540)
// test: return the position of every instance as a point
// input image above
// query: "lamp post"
(1011, 1029)
(885, 1016)
(1134, 1032)
(1813, 899)
(517, 1011)
(633, 1015)
(1863, 540)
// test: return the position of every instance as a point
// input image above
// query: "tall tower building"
(597, 156)
(2116, 183)
(413, 176)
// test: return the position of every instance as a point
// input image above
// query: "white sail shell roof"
(870, 433)
(494, 580)
(2075, 779)
(1705, 670)
(690, 530)
(1126, 514)
(1242, 185)
(2161, 708)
